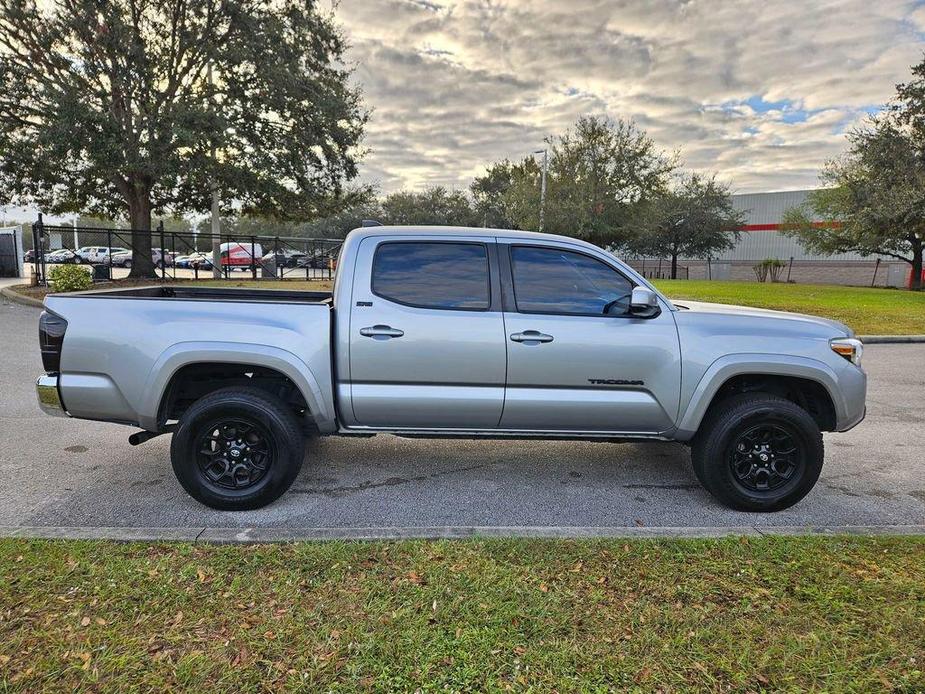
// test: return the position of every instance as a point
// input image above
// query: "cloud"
(759, 92)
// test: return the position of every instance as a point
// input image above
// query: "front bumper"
(46, 387)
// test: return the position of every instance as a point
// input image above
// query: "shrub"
(769, 268)
(69, 278)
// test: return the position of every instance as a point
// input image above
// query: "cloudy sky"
(759, 91)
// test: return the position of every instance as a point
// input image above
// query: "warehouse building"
(761, 239)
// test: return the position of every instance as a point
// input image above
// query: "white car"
(98, 254)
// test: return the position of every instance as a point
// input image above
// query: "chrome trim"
(46, 387)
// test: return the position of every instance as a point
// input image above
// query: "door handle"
(531, 336)
(381, 331)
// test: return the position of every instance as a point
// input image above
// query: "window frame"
(460, 242)
(509, 256)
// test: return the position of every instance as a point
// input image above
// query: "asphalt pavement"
(61, 472)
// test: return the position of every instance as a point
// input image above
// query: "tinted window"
(548, 280)
(433, 275)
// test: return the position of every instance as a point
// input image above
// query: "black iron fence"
(110, 253)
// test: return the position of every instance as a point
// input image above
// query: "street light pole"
(545, 153)
(216, 211)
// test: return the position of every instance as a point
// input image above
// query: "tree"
(694, 219)
(124, 107)
(875, 202)
(598, 172)
(434, 205)
(490, 194)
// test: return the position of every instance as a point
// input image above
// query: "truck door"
(427, 341)
(577, 360)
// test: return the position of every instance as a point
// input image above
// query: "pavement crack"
(338, 492)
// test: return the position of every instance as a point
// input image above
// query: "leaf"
(101, 621)
(85, 622)
(544, 587)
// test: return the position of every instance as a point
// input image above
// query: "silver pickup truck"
(454, 332)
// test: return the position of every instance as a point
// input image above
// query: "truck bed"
(122, 347)
(190, 293)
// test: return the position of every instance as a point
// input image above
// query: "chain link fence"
(111, 252)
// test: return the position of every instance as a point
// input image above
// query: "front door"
(577, 359)
(427, 342)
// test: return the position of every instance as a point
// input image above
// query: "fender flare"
(183, 354)
(732, 365)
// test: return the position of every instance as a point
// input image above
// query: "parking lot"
(59, 472)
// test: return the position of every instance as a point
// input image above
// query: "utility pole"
(216, 212)
(76, 246)
(545, 153)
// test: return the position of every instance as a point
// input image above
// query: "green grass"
(867, 311)
(840, 614)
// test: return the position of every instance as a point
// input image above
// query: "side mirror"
(643, 303)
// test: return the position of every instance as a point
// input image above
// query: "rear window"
(433, 275)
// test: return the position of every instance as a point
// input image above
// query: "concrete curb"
(890, 339)
(264, 535)
(18, 298)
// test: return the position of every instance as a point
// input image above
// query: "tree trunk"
(674, 266)
(139, 216)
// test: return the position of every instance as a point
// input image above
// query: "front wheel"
(758, 452)
(237, 449)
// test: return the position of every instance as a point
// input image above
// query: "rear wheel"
(237, 449)
(758, 452)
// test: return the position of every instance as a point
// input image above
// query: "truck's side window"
(551, 280)
(433, 275)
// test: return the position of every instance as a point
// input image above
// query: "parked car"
(285, 258)
(99, 254)
(448, 332)
(160, 258)
(62, 256)
(29, 256)
(188, 261)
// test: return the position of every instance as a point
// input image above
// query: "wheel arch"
(181, 359)
(807, 382)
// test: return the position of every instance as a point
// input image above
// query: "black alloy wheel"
(234, 453)
(765, 457)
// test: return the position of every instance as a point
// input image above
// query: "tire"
(270, 428)
(127, 264)
(758, 452)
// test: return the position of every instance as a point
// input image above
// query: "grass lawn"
(836, 614)
(868, 311)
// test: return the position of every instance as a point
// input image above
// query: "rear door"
(427, 341)
(577, 359)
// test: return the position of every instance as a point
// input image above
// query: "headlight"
(849, 348)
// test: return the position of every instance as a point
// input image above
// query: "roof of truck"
(431, 230)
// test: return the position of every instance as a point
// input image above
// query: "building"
(762, 239)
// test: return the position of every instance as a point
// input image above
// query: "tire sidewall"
(285, 463)
(715, 471)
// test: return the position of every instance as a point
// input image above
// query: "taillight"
(51, 338)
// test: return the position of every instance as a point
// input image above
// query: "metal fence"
(181, 255)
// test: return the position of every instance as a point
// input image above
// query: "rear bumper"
(46, 388)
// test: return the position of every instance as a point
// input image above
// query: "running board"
(610, 436)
